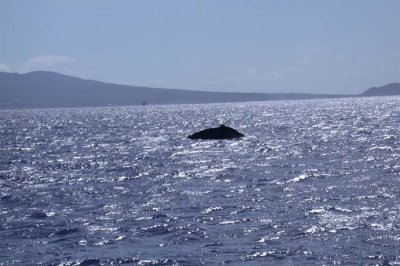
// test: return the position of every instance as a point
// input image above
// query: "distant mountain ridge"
(43, 89)
(387, 90)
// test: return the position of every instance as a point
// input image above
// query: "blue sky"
(331, 46)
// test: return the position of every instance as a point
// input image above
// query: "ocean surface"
(313, 182)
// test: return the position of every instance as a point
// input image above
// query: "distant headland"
(43, 89)
(387, 90)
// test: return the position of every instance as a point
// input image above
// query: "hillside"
(43, 89)
(390, 89)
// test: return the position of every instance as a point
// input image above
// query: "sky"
(313, 46)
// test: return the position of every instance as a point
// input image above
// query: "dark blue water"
(313, 182)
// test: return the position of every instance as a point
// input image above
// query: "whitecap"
(298, 178)
(211, 209)
(381, 148)
(259, 254)
(229, 222)
(314, 229)
(316, 211)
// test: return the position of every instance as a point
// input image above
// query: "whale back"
(221, 132)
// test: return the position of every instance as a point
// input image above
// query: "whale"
(221, 132)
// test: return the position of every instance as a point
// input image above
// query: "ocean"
(313, 182)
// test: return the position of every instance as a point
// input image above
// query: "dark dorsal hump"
(221, 132)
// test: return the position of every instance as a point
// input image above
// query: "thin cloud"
(4, 67)
(199, 5)
(48, 60)
(252, 75)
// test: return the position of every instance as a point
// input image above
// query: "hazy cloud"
(199, 5)
(4, 67)
(341, 58)
(258, 75)
(48, 60)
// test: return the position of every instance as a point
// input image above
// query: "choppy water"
(313, 182)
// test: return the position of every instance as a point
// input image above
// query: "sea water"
(312, 182)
